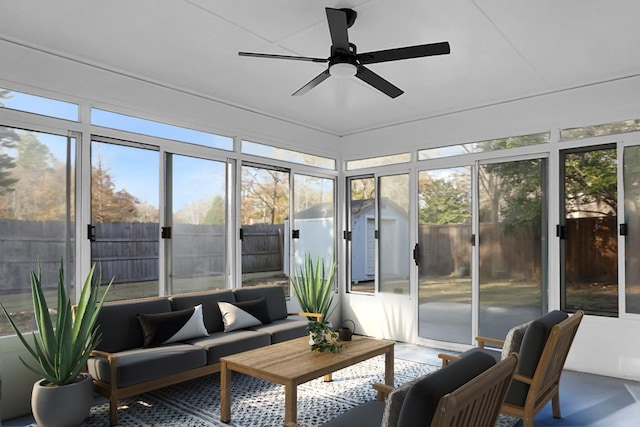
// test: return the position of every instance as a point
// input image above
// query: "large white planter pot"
(62, 406)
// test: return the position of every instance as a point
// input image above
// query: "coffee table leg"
(290, 403)
(225, 393)
(388, 367)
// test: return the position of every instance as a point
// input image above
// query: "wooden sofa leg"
(113, 411)
(555, 405)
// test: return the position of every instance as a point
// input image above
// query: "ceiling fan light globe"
(343, 70)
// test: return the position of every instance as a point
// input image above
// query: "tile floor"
(586, 400)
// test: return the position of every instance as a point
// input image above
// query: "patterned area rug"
(256, 402)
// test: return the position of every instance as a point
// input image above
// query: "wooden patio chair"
(467, 393)
(545, 345)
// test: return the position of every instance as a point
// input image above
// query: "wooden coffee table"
(291, 363)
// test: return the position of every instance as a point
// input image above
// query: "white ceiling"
(501, 50)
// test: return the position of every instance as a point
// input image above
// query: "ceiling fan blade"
(338, 28)
(295, 58)
(408, 52)
(313, 83)
(368, 76)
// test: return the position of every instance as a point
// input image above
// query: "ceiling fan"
(345, 61)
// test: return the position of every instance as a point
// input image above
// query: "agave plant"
(312, 288)
(62, 351)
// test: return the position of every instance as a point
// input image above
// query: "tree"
(591, 182)
(37, 194)
(8, 140)
(442, 202)
(517, 195)
(265, 196)
(107, 204)
(216, 213)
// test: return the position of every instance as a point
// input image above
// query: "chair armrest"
(523, 379)
(447, 358)
(383, 390)
(318, 316)
(484, 340)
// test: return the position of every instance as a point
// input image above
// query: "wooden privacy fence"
(591, 250)
(445, 250)
(130, 251)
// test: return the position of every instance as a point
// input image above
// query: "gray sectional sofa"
(122, 366)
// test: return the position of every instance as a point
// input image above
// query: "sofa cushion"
(173, 326)
(276, 300)
(533, 343)
(119, 325)
(220, 344)
(140, 365)
(422, 399)
(209, 301)
(284, 330)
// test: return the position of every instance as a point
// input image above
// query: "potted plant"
(322, 338)
(65, 394)
(312, 288)
(314, 291)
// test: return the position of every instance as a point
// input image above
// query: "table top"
(293, 360)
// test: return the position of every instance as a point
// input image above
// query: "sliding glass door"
(393, 234)
(196, 233)
(264, 212)
(312, 233)
(512, 250)
(124, 229)
(444, 254)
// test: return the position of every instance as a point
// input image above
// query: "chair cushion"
(533, 342)
(422, 399)
(366, 415)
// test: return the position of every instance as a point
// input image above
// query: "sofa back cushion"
(210, 310)
(276, 300)
(119, 325)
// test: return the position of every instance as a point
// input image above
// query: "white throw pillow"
(236, 318)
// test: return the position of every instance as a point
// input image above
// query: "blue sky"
(133, 169)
